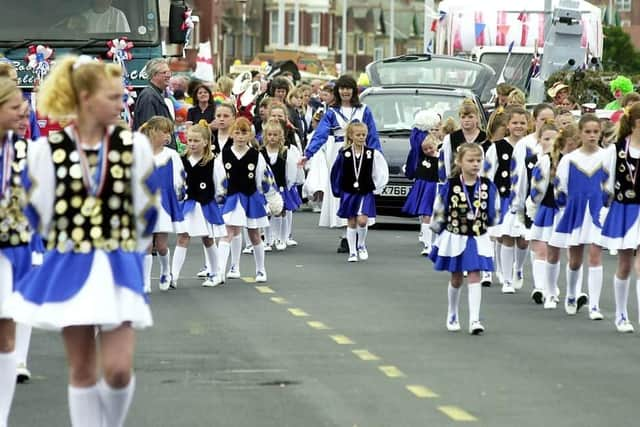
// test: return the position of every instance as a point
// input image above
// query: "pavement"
(327, 343)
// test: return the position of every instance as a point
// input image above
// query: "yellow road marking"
(249, 279)
(391, 371)
(421, 391)
(341, 339)
(365, 355)
(298, 312)
(318, 325)
(456, 414)
(265, 290)
(279, 300)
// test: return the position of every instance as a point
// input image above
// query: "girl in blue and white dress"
(283, 162)
(621, 228)
(358, 173)
(422, 165)
(580, 197)
(170, 173)
(92, 194)
(242, 179)
(500, 168)
(202, 216)
(465, 207)
(15, 253)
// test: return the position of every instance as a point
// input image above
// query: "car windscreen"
(515, 72)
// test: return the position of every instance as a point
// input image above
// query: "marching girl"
(202, 217)
(469, 132)
(92, 194)
(224, 117)
(465, 207)
(422, 165)
(500, 169)
(283, 162)
(169, 171)
(580, 196)
(621, 228)
(358, 173)
(15, 253)
(242, 178)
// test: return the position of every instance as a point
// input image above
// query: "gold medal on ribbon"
(77, 234)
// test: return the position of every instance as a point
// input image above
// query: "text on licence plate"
(395, 190)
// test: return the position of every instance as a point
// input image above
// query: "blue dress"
(424, 169)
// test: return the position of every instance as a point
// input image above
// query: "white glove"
(603, 215)
(530, 207)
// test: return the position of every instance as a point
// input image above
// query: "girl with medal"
(422, 165)
(15, 254)
(580, 179)
(465, 207)
(170, 173)
(621, 227)
(93, 195)
(358, 173)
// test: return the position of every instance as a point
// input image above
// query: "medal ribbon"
(632, 174)
(7, 160)
(357, 168)
(94, 183)
(476, 193)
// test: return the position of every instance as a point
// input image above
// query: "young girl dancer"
(621, 228)
(15, 254)
(242, 177)
(202, 217)
(225, 115)
(358, 173)
(422, 165)
(169, 171)
(283, 162)
(580, 196)
(92, 194)
(466, 205)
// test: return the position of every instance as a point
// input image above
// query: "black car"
(402, 86)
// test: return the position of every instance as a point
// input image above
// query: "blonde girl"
(465, 207)
(169, 171)
(357, 174)
(93, 196)
(224, 117)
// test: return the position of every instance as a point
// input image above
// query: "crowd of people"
(233, 161)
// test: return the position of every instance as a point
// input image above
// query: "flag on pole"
(382, 27)
(416, 28)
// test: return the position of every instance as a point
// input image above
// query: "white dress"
(171, 173)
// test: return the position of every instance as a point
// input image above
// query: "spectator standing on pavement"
(204, 107)
(151, 101)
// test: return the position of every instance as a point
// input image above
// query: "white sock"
(179, 255)
(245, 236)
(538, 269)
(268, 232)
(148, 266)
(507, 254)
(212, 259)
(85, 406)
(223, 255)
(23, 338)
(276, 227)
(532, 258)
(351, 239)
(579, 282)
(475, 298)
(425, 232)
(164, 262)
(236, 249)
(621, 294)
(498, 252)
(258, 256)
(361, 232)
(282, 230)
(551, 278)
(206, 261)
(116, 402)
(521, 257)
(594, 282)
(7, 384)
(454, 301)
(288, 220)
(572, 281)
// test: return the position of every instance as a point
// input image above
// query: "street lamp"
(244, 28)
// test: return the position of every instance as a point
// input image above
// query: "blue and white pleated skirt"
(170, 214)
(621, 228)
(456, 253)
(544, 222)
(420, 198)
(291, 199)
(352, 205)
(576, 226)
(201, 220)
(15, 263)
(241, 210)
(99, 288)
(511, 225)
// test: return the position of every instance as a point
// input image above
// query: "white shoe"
(452, 323)
(280, 245)
(476, 328)
(147, 289)
(268, 247)
(550, 303)
(623, 325)
(212, 281)
(261, 277)
(426, 250)
(165, 282)
(570, 306)
(203, 273)
(595, 314)
(518, 280)
(291, 242)
(234, 273)
(486, 279)
(352, 258)
(538, 296)
(22, 373)
(247, 250)
(363, 254)
(507, 288)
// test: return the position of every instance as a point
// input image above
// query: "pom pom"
(427, 120)
(275, 204)
(621, 83)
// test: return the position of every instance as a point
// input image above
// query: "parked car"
(402, 86)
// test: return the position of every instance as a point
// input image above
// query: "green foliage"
(619, 56)
(586, 86)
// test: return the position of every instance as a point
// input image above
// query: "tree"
(619, 54)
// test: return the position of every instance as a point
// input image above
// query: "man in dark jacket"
(151, 101)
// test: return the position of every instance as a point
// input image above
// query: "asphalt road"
(326, 343)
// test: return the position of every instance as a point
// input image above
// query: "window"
(378, 53)
(623, 5)
(229, 45)
(360, 43)
(625, 23)
(315, 29)
(291, 27)
(247, 49)
(273, 29)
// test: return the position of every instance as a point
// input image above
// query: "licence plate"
(395, 191)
